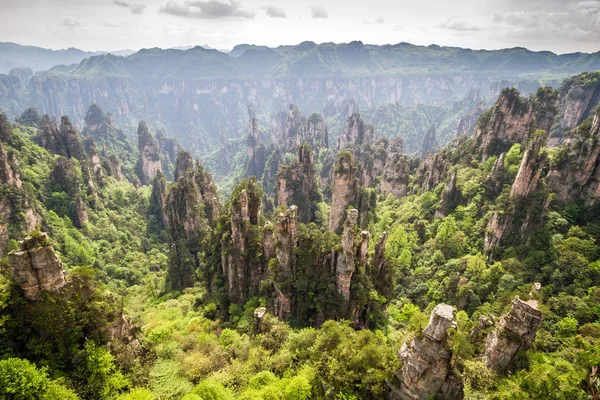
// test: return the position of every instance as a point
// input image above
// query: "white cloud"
(319, 12)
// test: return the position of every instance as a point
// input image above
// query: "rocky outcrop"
(81, 212)
(257, 152)
(156, 206)
(516, 331)
(355, 132)
(63, 140)
(297, 184)
(113, 167)
(298, 130)
(426, 372)
(344, 189)
(429, 143)
(513, 119)
(431, 172)
(395, 174)
(532, 164)
(579, 98)
(36, 267)
(4, 238)
(188, 208)
(451, 195)
(149, 162)
(285, 247)
(467, 123)
(345, 261)
(9, 173)
(576, 174)
(495, 179)
(243, 265)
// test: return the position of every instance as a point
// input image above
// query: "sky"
(561, 26)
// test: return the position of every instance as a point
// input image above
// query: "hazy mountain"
(200, 95)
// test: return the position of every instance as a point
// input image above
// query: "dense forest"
(331, 264)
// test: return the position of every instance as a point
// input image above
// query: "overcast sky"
(561, 26)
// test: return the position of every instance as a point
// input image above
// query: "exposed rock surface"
(532, 164)
(356, 132)
(149, 163)
(344, 189)
(36, 267)
(426, 372)
(63, 140)
(515, 331)
(429, 144)
(513, 119)
(577, 172)
(396, 172)
(345, 262)
(298, 130)
(243, 265)
(431, 172)
(188, 210)
(297, 185)
(257, 153)
(9, 173)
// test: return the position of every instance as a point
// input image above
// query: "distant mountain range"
(201, 95)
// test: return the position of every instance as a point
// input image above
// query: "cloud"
(136, 8)
(455, 24)
(319, 12)
(579, 22)
(274, 12)
(212, 9)
(70, 22)
(376, 21)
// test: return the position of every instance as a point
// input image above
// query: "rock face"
(285, 238)
(513, 119)
(345, 261)
(344, 189)
(579, 101)
(297, 184)
(426, 371)
(395, 172)
(257, 153)
(355, 132)
(431, 172)
(296, 130)
(515, 331)
(243, 265)
(63, 140)
(36, 267)
(467, 123)
(496, 178)
(188, 210)
(531, 167)
(577, 173)
(429, 144)
(149, 163)
(9, 173)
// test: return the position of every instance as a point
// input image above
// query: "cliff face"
(344, 189)
(533, 163)
(396, 172)
(579, 100)
(286, 238)
(345, 262)
(516, 331)
(513, 119)
(356, 132)
(243, 266)
(149, 162)
(9, 173)
(189, 206)
(429, 144)
(36, 267)
(63, 140)
(426, 371)
(431, 172)
(297, 184)
(576, 174)
(257, 153)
